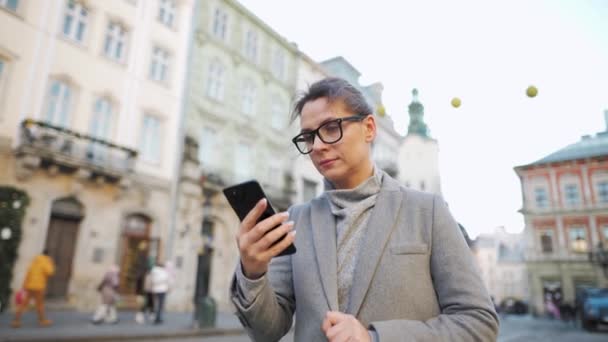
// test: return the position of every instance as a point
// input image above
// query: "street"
(513, 329)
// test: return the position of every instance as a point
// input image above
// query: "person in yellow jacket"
(41, 268)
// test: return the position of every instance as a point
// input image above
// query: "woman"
(376, 261)
(108, 290)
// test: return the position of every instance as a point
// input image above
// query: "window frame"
(206, 148)
(216, 79)
(114, 38)
(252, 43)
(248, 97)
(541, 204)
(572, 239)
(78, 19)
(567, 199)
(549, 233)
(159, 67)
(66, 103)
(167, 8)
(219, 24)
(147, 142)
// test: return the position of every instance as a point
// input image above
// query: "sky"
(484, 52)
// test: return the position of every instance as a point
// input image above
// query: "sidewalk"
(76, 326)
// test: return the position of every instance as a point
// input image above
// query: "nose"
(318, 144)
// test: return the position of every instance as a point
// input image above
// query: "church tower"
(418, 153)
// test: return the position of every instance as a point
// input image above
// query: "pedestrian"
(160, 284)
(35, 283)
(143, 283)
(108, 291)
(375, 261)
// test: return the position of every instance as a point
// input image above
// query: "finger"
(325, 326)
(335, 331)
(264, 226)
(335, 317)
(279, 247)
(253, 216)
(274, 235)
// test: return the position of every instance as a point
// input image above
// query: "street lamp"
(599, 256)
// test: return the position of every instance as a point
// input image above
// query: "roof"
(587, 147)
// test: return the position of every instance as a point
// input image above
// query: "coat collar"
(381, 224)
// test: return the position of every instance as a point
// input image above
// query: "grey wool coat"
(415, 281)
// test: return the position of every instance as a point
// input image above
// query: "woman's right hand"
(256, 241)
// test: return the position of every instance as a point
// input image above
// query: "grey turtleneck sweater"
(352, 209)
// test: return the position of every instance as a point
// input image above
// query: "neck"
(357, 177)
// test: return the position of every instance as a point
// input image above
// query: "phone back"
(244, 196)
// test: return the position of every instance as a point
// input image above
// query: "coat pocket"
(409, 248)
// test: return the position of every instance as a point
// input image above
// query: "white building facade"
(91, 96)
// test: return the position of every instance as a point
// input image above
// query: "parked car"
(592, 307)
(513, 306)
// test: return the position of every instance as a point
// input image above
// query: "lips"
(327, 162)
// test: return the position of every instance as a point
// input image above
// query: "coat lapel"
(381, 223)
(324, 237)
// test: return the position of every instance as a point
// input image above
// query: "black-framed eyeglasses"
(329, 132)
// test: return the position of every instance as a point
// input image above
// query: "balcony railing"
(73, 151)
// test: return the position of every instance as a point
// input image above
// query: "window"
(578, 239)
(220, 21)
(115, 43)
(75, 21)
(540, 197)
(571, 193)
(546, 241)
(215, 81)
(277, 113)
(166, 12)
(309, 189)
(251, 45)
(100, 127)
(10, 4)
(243, 161)
(602, 192)
(159, 64)
(278, 64)
(249, 92)
(58, 103)
(150, 139)
(206, 149)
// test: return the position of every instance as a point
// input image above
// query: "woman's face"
(347, 162)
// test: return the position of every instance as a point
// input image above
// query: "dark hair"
(45, 251)
(333, 88)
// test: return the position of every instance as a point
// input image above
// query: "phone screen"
(244, 196)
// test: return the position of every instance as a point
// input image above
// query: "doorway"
(61, 239)
(137, 252)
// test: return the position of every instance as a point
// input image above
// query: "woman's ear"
(370, 128)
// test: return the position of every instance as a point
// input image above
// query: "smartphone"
(244, 196)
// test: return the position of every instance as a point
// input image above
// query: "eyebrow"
(308, 130)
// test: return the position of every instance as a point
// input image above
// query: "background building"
(418, 153)
(500, 256)
(565, 208)
(242, 81)
(89, 90)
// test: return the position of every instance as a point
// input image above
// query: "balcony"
(58, 149)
